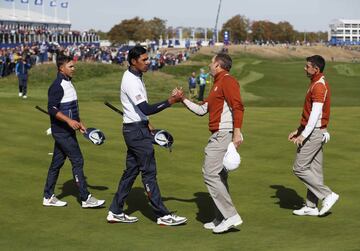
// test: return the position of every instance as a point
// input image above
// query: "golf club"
(113, 108)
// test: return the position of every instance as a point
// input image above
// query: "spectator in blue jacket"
(202, 83)
(192, 85)
(21, 69)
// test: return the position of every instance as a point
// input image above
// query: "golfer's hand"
(75, 125)
(292, 136)
(82, 128)
(176, 95)
(151, 128)
(237, 137)
(299, 140)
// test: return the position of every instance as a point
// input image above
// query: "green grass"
(264, 189)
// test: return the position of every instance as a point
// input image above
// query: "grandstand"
(29, 27)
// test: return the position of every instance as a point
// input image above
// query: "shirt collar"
(135, 71)
(62, 76)
(220, 74)
(316, 77)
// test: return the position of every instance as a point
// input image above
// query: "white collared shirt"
(132, 93)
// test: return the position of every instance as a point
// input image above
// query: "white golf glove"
(326, 137)
(48, 131)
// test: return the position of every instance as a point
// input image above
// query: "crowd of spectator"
(28, 33)
(46, 52)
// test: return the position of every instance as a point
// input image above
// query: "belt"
(142, 123)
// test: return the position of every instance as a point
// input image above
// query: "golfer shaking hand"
(138, 137)
(226, 112)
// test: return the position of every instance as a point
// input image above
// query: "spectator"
(202, 83)
(192, 85)
(43, 53)
(21, 70)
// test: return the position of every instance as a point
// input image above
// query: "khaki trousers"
(216, 177)
(308, 167)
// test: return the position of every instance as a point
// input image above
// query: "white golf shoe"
(92, 202)
(328, 202)
(307, 211)
(24, 97)
(53, 202)
(171, 220)
(211, 225)
(225, 225)
(20, 94)
(120, 218)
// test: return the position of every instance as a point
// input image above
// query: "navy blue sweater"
(62, 97)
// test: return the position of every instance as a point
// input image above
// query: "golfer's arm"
(200, 110)
(148, 109)
(62, 117)
(314, 116)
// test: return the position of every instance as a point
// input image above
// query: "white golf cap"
(232, 158)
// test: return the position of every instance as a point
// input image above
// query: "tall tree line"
(239, 27)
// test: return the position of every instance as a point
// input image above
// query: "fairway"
(263, 189)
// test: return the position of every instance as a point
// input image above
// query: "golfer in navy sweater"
(65, 120)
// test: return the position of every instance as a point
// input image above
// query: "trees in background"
(239, 27)
(137, 29)
(269, 31)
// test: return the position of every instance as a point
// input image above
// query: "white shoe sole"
(112, 221)
(209, 227)
(163, 223)
(53, 205)
(93, 206)
(305, 214)
(232, 226)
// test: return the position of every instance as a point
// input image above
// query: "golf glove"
(326, 137)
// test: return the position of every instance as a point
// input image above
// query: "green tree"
(286, 32)
(157, 28)
(238, 27)
(135, 29)
(264, 30)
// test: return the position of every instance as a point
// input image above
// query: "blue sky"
(304, 15)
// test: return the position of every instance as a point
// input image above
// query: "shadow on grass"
(288, 198)
(204, 203)
(70, 188)
(138, 201)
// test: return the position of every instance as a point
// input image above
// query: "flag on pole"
(24, 1)
(64, 4)
(52, 3)
(38, 2)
